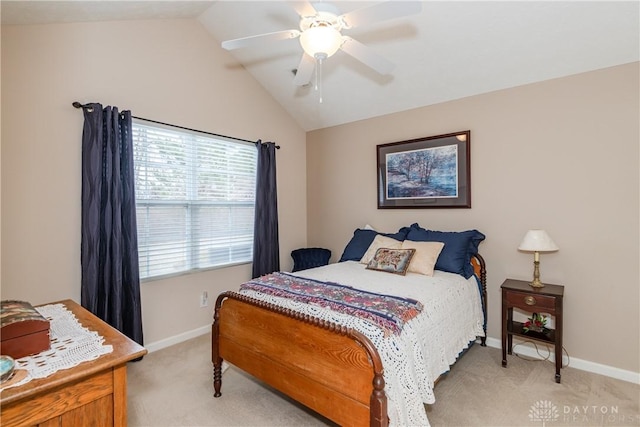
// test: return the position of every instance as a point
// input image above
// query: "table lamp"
(537, 241)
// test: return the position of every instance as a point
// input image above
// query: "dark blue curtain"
(266, 247)
(110, 286)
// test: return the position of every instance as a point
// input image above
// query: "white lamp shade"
(537, 241)
(321, 40)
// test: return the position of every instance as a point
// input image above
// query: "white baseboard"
(529, 350)
(177, 339)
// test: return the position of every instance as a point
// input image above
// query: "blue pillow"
(458, 249)
(362, 239)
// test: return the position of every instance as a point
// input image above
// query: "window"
(195, 196)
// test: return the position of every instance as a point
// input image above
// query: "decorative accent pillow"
(362, 239)
(391, 260)
(458, 248)
(379, 241)
(424, 260)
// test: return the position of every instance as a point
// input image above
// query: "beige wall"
(170, 71)
(561, 155)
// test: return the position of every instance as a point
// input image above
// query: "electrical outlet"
(204, 299)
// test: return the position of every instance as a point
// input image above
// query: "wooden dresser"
(93, 393)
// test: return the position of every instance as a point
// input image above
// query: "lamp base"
(536, 284)
(536, 274)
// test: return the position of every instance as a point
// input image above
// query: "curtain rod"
(79, 105)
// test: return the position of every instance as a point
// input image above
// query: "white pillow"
(424, 260)
(380, 241)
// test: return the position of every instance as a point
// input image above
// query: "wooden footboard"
(333, 370)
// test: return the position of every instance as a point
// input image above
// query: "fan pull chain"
(319, 60)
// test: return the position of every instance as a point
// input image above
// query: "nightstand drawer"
(527, 301)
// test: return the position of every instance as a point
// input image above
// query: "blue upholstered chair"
(305, 258)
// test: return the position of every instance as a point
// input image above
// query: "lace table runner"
(71, 344)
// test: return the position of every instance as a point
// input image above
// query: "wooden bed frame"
(335, 371)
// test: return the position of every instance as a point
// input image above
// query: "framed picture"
(431, 172)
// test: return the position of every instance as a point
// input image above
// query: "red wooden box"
(23, 330)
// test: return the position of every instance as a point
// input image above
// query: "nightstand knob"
(529, 300)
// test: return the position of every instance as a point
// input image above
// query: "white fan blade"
(304, 8)
(305, 70)
(380, 12)
(252, 40)
(366, 55)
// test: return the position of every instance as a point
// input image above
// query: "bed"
(348, 366)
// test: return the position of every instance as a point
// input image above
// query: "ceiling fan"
(320, 35)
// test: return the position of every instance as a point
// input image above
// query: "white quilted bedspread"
(429, 343)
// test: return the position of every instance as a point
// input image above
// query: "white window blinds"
(195, 196)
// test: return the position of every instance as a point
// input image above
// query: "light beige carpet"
(174, 387)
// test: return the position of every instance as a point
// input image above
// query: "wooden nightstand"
(546, 300)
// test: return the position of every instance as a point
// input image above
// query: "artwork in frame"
(429, 172)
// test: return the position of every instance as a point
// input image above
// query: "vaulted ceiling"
(449, 50)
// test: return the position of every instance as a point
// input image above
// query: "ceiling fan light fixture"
(322, 40)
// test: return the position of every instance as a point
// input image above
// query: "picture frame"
(429, 172)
